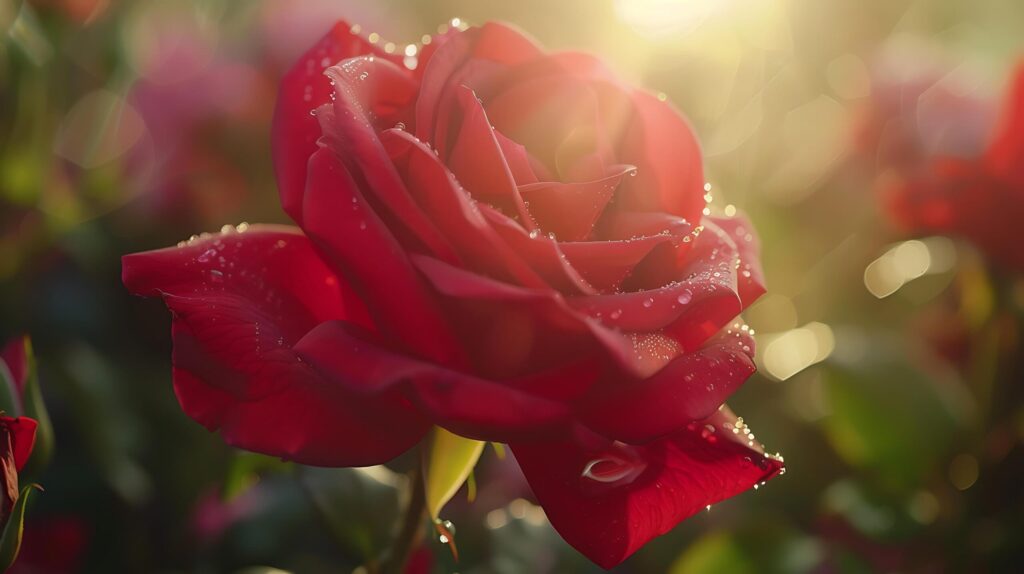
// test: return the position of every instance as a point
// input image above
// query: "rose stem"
(411, 532)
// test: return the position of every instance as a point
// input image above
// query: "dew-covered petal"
(707, 291)
(606, 264)
(609, 499)
(451, 208)
(750, 278)
(478, 161)
(570, 210)
(689, 388)
(303, 89)
(542, 252)
(350, 127)
(241, 303)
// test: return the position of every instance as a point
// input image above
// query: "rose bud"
(17, 437)
(506, 243)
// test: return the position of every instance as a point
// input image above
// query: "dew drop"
(207, 255)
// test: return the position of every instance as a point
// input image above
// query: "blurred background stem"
(411, 533)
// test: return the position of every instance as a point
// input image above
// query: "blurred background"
(891, 368)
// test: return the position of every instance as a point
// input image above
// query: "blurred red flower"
(980, 198)
(507, 243)
(17, 437)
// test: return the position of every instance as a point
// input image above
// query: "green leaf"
(359, 506)
(9, 402)
(890, 416)
(10, 543)
(757, 545)
(448, 464)
(245, 469)
(717, 552)
(34, 407)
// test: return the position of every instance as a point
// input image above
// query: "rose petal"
(22, 436)
(690, 388)
(464, 60)
(570, 210)
(241, 303)
(706, 293)
(606, 264)
(477, 160)
(303, 89)
(510, 331)
(355, 241)
(750, 279)
(609, 500)
(468, 405)
(556, 119)
(543, 253)
(661, 144)
(444, 201)
(349, 130)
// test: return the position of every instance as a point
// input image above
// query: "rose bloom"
(503, 242)
(978, 198)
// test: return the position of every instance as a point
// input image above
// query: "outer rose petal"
(689, 388)
(304, 88)
(750, 279)
(242, 303)
(607, 500)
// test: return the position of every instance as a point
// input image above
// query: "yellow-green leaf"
(450, 460)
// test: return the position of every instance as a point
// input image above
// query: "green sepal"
(10, 542)
(450, 460)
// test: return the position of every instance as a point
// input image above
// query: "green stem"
(411, 532)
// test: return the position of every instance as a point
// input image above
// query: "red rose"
(503, 242)
(980, 199)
